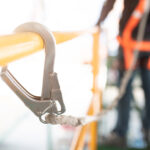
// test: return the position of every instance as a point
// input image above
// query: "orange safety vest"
(127, 42)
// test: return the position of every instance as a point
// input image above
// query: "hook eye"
(60, 108)
(41, 118)
(49, 110)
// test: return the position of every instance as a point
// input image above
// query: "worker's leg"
(117, 136)
(123, 108)
(145, 75)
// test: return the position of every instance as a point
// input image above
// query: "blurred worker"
(128, 28)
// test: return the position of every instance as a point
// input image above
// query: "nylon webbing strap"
(76, 121)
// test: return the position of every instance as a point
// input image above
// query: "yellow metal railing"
(18, 45)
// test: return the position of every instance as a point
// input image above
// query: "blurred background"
(19, 128)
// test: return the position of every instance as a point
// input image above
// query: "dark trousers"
(124, 103)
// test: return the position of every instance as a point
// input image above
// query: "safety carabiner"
(51, 92)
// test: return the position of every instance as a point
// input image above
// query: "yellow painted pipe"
(18, 45)
(65, 36)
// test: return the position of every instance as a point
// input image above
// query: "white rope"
(76, 121)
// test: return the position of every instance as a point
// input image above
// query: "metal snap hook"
(50, 89)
